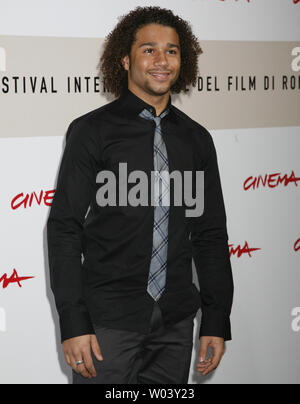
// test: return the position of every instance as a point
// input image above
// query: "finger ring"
(79, 363)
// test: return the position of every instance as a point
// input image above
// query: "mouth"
(160, 76)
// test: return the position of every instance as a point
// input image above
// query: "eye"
(173, 52)
(148, 50)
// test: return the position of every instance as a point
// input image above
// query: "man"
(126, 312)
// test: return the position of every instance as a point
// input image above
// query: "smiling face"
(154, 62)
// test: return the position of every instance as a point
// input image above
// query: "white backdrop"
(266, 311)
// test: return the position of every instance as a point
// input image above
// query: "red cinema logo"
(13, 279)
(239, 251)
(297, 242)
(270, 181)
(44, 197)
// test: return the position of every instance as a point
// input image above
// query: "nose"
(161, 58)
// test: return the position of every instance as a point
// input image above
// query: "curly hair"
(118, 44)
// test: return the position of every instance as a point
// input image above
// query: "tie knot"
(157, 119)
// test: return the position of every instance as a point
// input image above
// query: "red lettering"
(270, 180)
(30, 200)
(292, 177)
(44, 196)
(246, 187)
(239, 251)
(263, 181)
(48, 196)
(16, 206)
(297, 243)
(13, 279)
(39, 200)
(283, 179)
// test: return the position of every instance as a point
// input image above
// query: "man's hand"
(79, 349)
(206, 365)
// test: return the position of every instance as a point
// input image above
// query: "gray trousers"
(163, 356)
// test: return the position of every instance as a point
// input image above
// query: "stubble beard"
(156, 92)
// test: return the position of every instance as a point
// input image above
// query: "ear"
(126, 62)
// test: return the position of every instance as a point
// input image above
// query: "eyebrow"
(170, 45)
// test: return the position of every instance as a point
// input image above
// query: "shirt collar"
(132, 104)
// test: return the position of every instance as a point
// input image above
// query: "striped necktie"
(158, 265)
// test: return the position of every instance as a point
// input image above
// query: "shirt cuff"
(75, 322)
(215, 323)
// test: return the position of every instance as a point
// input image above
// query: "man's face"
(154, 63)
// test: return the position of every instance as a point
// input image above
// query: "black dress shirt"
(99, 256)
